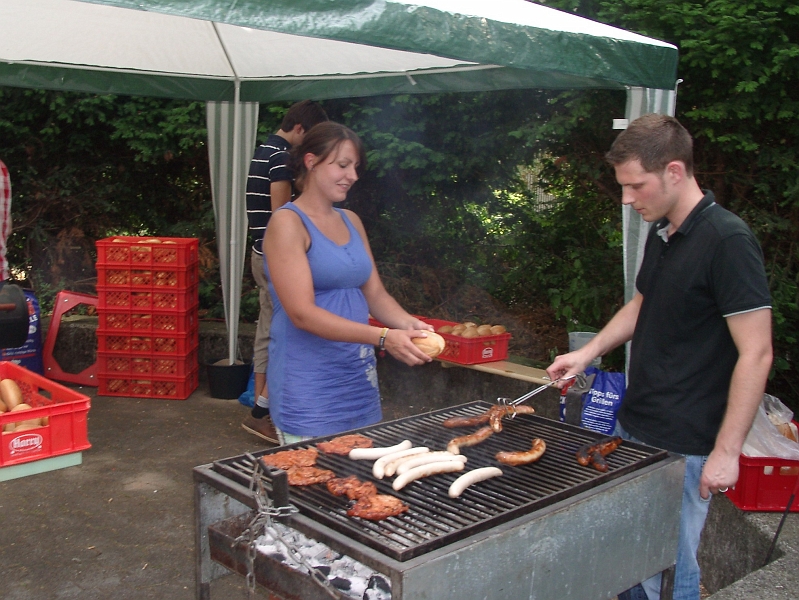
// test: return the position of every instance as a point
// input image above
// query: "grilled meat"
(343, 444)
(352, 487)
(291, 458)
(377, 507)
(309, 475)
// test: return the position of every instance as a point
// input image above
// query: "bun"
(497, 329)
(470, 332)
(484, 330)
(432, 345)
(445, 329)
(458, 329)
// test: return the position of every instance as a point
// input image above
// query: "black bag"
(13, 316)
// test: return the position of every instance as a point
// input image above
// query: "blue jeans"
(692, 520)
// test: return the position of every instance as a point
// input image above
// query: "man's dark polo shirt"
(682, 353)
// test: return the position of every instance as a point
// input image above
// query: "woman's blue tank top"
(317, 386)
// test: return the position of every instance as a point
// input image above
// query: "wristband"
(383, 334)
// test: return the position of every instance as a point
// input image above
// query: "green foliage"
(84, 167)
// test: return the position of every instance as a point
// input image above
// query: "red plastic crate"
(112, 364)
(765, 484)
(160, 278)
(148, 386)
(134, 322)
(467, 351)
(160, 344)
(66, 410)
(148, 251)
(112, 298)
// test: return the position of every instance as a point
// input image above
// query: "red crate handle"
(65, 301)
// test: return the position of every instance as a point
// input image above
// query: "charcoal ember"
(340, 583)
(378, 588)
(324, 569)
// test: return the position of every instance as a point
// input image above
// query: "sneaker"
(263, 428)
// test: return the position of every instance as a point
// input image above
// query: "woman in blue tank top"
(322, 376)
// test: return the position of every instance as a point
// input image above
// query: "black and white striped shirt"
(269, 163)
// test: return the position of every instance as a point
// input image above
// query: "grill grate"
(434, 519)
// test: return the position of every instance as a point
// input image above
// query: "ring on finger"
(722, 490)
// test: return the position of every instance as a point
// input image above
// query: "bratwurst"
(463, 441)
(594, 454)
(515, 459)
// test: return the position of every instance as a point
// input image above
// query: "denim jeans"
(692, 520)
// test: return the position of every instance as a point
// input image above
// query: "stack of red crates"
(148, 330)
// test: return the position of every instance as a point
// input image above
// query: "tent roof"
(291, 49)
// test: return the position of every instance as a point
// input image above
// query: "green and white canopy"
(237, 53)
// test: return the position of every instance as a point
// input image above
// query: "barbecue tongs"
(508, 402)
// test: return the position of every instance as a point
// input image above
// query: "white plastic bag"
(764, 439)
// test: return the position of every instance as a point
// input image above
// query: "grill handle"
(280, 485)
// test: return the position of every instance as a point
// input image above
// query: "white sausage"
(446, 466)
(379, 468)
(393, 465)
(470, 478)
(414, 461)
(375, 453)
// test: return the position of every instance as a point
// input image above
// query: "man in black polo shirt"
(700, 325)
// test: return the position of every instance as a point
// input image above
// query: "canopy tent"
(234, 54)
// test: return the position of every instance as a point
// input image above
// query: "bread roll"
(28, 423)
(497, 329)
(10, 393)
(469, 324)
(432, 345)
(484, 330)
(470, 332)
(458, 329)
(445, 329)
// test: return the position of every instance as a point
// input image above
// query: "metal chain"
(264, 513)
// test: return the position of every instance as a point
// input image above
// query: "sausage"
(587, 454)
(583, 456)
(515, 459)
(391, 467)
(375, 453)
(497, 413)
(422, 459)
(379, 468)
(472, 477)
(446, 466)
(453, 422)
(608, 445)
(478, 436)
(493, 415)
(598, 462)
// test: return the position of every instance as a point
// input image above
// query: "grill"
(437, 527)
(434, 519)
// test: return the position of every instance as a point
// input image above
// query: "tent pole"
(234, 215)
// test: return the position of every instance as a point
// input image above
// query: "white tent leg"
(640, 101)
(231, 141)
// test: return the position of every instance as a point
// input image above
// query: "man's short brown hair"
(655, 141)
(306, 113)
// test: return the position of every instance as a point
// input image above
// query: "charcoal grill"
(553, 529)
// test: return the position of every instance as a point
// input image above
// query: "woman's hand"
(420, 325)
(398, 343)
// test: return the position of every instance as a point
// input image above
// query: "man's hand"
(719, 474)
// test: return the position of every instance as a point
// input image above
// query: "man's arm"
(751, 333)
(618, 331)
(280, 193)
